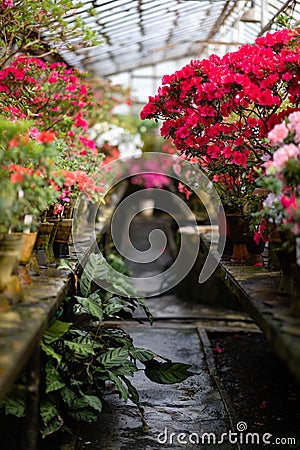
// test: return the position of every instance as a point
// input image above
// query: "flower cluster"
(52, 104)
(40, 28)
(55, 96)
(148, 174)
(116, 141)
(282, 177)
(221, 109)
(7, 4)
(28, 181)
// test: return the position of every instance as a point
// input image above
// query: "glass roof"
(139, 33)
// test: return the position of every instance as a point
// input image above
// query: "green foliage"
(26, 168)
(22, 23)
(95, 268)
(84, 354)
(167, 372)
(16, 406)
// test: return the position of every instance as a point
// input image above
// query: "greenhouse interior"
(150, 224)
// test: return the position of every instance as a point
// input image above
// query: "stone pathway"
(192, 414)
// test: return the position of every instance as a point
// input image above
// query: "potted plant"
(282, 205)
(27, 160)
(220, 110)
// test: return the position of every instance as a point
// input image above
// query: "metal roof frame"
(137, 33)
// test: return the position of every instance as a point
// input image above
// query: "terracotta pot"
(10, 251)
(8, 261)
(12, 242)
(238, 226)
(26, 253)
(27, 246)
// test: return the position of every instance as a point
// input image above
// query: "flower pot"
(43, 235)
(255, 250)
(27, 247)
(25, 256)
(8, 261)
(62, 238)
(10, 250)
(68, 211)
(42, 247)
(12, 242)
(63, 231)
(238, 226)
(51, 259)
(286, 258)
(224, 233)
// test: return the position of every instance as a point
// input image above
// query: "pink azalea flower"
(294, 119)
(278, 134)
(283, 154)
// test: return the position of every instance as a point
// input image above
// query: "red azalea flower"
(16, 178)
(45, 137)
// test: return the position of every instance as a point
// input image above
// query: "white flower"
(128, 144)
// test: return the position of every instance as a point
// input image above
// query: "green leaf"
(48, 411)
(121, 285)
(53, 426)
(88, 400)
(80, 349)
(113, 306)
(114, 357)
(56, 330)
(167, 372)
(65, 265)
(50, 352)
(142, 354)
(132, 392)
(91, 307)
(15, 406)
(85, 415)
(119, 385)
(127, 368)
(67, 395)
(146, 310)
(95, 268)
(53, 380)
